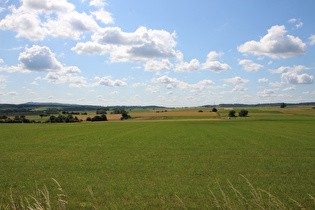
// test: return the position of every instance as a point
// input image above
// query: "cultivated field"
(166, 162)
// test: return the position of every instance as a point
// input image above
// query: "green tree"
(214, 109)
(232, 113)
(243, 113)
(283, 105)
(125, 115)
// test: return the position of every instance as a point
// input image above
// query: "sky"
(174, 53)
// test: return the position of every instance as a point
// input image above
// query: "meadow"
(174, 163)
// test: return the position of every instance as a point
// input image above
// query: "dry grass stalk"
(181, 201)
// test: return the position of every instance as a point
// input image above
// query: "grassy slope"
(150, 164)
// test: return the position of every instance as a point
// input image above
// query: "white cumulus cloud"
(275, 44)
(107, 81)
(295, 78)
(263, 80)
(250, 66)
(39, 59)
(236, 81)
(98, 3)
(104, 16)
(192, 66)
(61, 20)
(213, 65)
(142, 45)
(156, 65)
(284, 69)
(89, 48)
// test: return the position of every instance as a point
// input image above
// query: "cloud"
(157, 65)
(61, 77)
(250, 66)
(167, 82)
(294, 78)
(289, 88)
(153, 89)
(2, 81)
(26, 24)
(98, 3)
(263, 80)
(276, 84)
(61, 20)
(48, 6)
(210, 64)
(39, 59)
(298, 25)
(1, 60)
(309, 92)
(284, 69)
(114, 93)
(239, 89)
(213, 55)
(135, 85)
(236, 80)
(11, 93)
(275, 44)
(171, 83)
(192, 66)
(70, 25)
(104, 16)
(142, 45)
(89, 48)
(312, 39)
(107, 81)
(266, 93)
(36, 59)
(213, 65)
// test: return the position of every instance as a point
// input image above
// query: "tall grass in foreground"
(233, 199)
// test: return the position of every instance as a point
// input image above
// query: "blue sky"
(171, 53)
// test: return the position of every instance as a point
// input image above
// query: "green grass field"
(174, 164)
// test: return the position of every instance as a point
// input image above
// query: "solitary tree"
(214, 109)
(232, 113)
(283, 105)
(243, 113)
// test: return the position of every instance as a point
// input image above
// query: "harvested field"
(174, 115)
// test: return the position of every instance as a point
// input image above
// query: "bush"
(125, 115)
(200, 111)
(100, 118)
(232, 113)
(283, 105)
(243, 113)
(214, 109)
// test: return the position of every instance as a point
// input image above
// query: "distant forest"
(55, 108)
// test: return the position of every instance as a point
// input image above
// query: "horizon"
(167, 53)
(171, 107)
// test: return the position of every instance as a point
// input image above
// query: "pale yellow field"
(154, 114)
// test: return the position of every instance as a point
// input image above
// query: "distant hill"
(53, 108)
(49, 104)
(267, 104)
